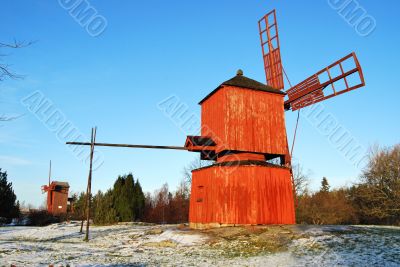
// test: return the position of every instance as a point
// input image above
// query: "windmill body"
(57, 202)
(57, 197)
(243, 122)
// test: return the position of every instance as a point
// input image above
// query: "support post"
(89, 185)
(84, 210)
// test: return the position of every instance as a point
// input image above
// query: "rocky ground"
(176, 245)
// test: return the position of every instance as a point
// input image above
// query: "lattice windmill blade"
(268, 29)
(342, 76)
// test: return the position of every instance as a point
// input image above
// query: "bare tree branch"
(5, 69)
(195, 164)
(6, 72)
(301, 179)
(4, 118)
(17, 44)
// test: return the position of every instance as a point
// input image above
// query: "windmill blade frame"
(269, 37)
(311, 90)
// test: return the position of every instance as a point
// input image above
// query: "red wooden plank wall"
(245, 120)
(57, 199)
(249, 194)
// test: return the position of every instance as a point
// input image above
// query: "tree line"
(374, 199)
(123, 202)
(126, 202)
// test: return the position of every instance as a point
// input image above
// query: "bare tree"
(301, 179)
(195, 164)
(378, 193)
(161, 199)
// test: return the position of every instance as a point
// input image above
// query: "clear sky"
(151, 50)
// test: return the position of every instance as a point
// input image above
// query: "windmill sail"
(342, 76)
(269, 37)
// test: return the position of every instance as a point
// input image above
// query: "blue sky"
(151, 50)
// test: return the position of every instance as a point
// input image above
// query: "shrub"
(41, 218)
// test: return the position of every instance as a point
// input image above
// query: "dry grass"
(247, 241)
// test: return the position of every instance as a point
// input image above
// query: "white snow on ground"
(139, 245)
(349, 246)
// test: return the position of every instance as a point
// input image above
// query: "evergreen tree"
(9, 207)
(124, 198)
(139, 201)
(80, 207)
(324, 185)
(119, 202)
(129, 196)
(105, 212)
(125, 202)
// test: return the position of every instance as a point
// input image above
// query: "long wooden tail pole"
(127, 145)
(92, 144)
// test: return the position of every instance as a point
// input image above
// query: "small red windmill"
(57, 196)
(243, 131)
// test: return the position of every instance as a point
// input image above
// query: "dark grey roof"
(64, 184)
(242, 81)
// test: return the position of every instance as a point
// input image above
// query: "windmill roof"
(244, 82)
(64, 184)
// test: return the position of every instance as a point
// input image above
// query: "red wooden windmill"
(57, 196)
(243, 131)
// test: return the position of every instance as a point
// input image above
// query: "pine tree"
(139, 201)
(119, 202)
(80, 206)
(125, 202)
(105, 212)
(124, 198)
(9, 207)
(324, 185)
(129, 193)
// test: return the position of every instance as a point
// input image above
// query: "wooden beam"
(127, 145)
(84, 209)
(89, 185)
